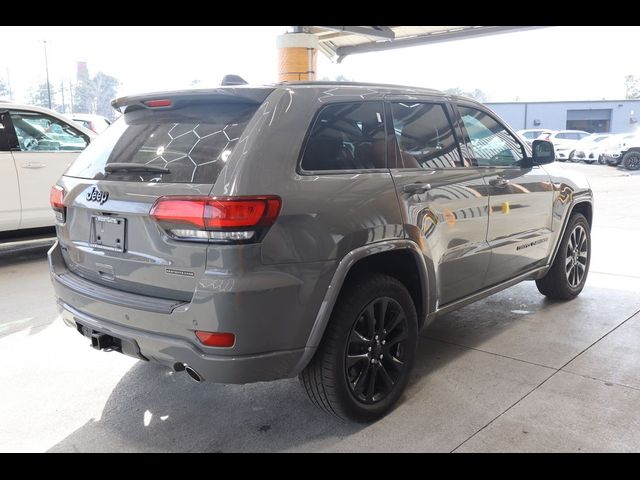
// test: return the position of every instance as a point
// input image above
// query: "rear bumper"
(271, 312)
(168, 351)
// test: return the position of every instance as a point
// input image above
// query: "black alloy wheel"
(374, 358)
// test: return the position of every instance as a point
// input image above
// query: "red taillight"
(158, 103)
(216, 339)
(228, 213)
(56, 199)
(225, 219)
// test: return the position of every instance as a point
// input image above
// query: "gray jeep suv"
(244, 233)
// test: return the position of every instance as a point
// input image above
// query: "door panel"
(43, 147)
(449, 222)
(9, 194)
(10, 191)
(38, 172)
(519, 221)
(520, 198)
(444, 202)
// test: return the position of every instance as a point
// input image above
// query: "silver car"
(244, 234)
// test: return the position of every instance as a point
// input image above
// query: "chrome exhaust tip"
(192, 373)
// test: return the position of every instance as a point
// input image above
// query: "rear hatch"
(159, 147)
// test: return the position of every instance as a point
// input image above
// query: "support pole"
(297, 56)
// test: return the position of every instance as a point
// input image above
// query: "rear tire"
(568, 274)
(363, 363)
(631, 160)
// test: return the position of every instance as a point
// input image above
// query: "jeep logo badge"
(96, 195)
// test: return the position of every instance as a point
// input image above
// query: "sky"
(556, 63)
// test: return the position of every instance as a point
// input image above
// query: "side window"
(562, 136)
(40, 132)
(424, 136)
(347, 136)
(491, 143)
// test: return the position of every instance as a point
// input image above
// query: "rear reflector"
(56, 199)
(158, 103)
(223, 219)
(216, 339)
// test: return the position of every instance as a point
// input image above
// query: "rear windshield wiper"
(134, 167)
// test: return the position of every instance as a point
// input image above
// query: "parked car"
(590, 149)
(95, 123)
(630, 152)
(530, 135)
(36, 146)
(564, 142)
(248, 234)
(612, 153)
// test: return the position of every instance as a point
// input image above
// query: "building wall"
(553, 115)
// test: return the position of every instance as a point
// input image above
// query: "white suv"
(531, 134)
(36, 145)
(564, 142)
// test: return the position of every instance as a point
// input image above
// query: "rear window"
(347, 136)
(192, 142)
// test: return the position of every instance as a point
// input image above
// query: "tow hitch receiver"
(109, 343)
(102, 341)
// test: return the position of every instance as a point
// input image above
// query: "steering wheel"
(30, 143)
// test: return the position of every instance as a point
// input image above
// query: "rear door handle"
(416, 188)
(499, 181)
(33, 165)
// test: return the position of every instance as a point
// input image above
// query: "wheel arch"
(400, 258)
(583, 206)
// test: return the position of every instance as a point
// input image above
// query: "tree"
(476, 94)
(39, 95)
(632, 86)
(105, 88)
(94, 95)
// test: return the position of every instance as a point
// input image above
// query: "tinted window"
(193, 142)
(532, 135)
(491, 143)
(40, 132)
(424, 135)
(346, 136)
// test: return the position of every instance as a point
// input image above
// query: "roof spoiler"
(233, 80)
(240, 94)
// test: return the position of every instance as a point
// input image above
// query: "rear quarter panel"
(324, 216)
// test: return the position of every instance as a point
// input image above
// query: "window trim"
(525, 153)
(17, 147)
(314, 173)
(446, 107)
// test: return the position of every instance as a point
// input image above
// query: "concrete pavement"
(513, 372)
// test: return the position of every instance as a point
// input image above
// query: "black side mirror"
(543, 152)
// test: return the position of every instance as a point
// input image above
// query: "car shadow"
(154, 409)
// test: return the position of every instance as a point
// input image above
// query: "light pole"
(46, 66)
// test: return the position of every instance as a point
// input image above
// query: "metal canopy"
(338, 42)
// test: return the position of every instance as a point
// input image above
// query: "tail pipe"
(178, 367)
